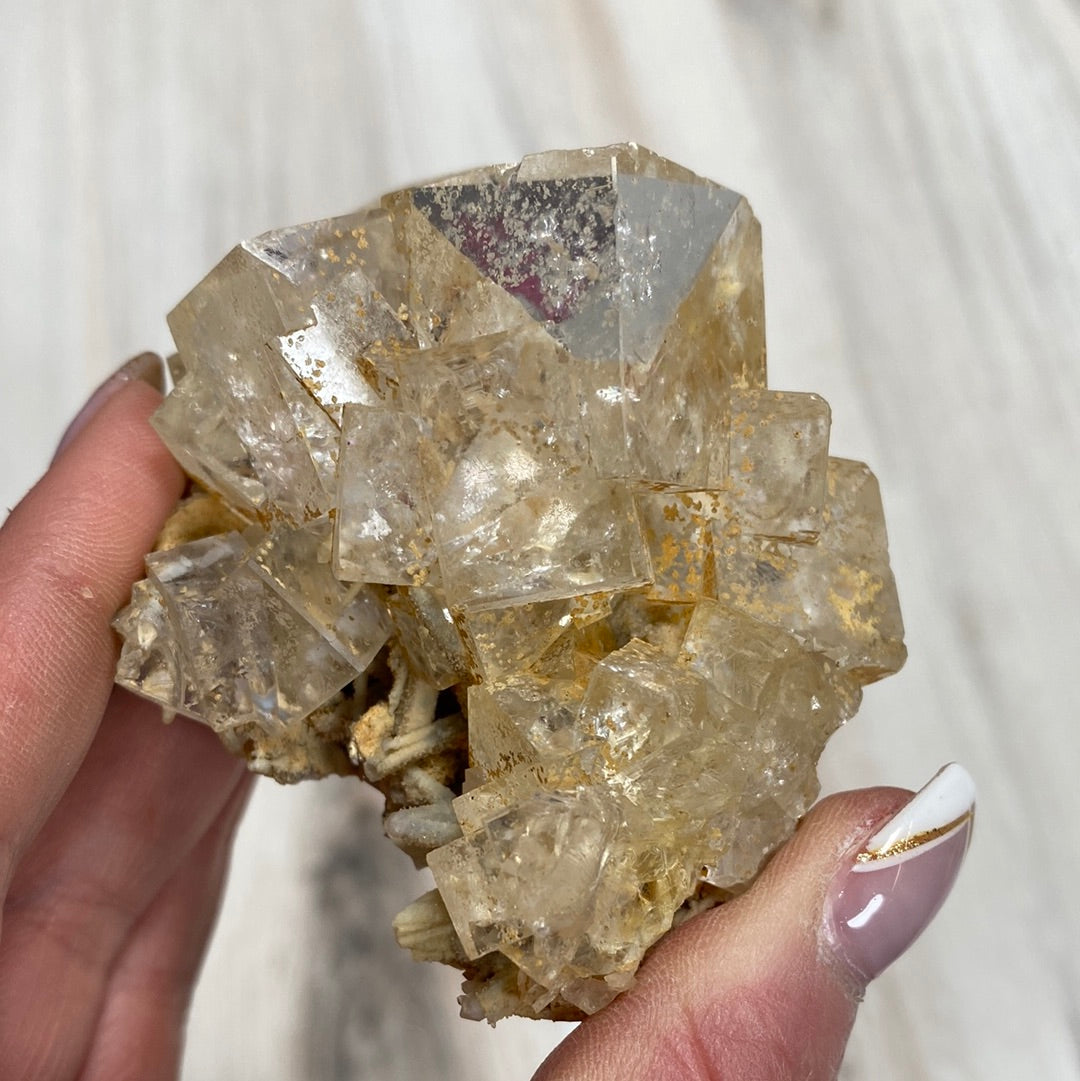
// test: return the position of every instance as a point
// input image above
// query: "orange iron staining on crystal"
(495, 510)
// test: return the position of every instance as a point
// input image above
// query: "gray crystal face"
(605, 258)
(494, 510)
(550, 244)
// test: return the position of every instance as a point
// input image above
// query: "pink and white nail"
(881, 903)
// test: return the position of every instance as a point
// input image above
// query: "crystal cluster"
(492, 507)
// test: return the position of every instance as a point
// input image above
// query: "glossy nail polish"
(899, 879)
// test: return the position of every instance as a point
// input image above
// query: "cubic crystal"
(494, 510)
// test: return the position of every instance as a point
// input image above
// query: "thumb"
(766, 986)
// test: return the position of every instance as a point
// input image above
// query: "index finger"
(68, 555)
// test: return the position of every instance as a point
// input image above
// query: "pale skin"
(115, 833)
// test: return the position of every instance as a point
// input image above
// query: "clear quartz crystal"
(506, 521)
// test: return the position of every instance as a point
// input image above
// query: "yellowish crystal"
(506, 521)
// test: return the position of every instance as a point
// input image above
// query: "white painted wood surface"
(917, 170)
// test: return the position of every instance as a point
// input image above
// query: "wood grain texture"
(917, 170)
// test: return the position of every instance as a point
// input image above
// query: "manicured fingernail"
(884, 900)
(146, 367)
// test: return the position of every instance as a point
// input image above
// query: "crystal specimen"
(494, 509)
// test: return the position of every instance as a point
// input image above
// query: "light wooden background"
(916, 166)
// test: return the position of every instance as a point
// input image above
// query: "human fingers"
(140, 1031)
(68, 555)
(135, 812)
(766, 986)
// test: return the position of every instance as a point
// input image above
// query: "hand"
(765, 988)
(114, 830)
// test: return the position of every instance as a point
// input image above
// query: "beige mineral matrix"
(492, 507)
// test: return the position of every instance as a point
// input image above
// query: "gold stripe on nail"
(914, 841)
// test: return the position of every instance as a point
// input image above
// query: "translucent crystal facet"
(493, 509)
(249, 654)
(383, 529)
